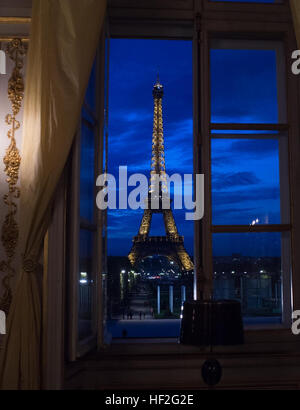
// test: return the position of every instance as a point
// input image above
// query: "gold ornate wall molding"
(18, 27)
(16, 50)
(15, 20)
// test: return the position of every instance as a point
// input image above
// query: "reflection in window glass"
(243, 86)
(247, 267)
(86, 282)
(87, 173)
(87, 115)
(245, 181)
(85, 294)
(90, 97)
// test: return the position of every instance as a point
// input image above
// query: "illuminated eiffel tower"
(172, 244)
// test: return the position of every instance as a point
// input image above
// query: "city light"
(83, 278)
(255, 222)
(83, 281)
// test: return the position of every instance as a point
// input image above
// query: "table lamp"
(212, 323)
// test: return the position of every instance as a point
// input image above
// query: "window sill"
(272, 338)
(268, 359)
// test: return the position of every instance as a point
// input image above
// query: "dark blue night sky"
(245, 176)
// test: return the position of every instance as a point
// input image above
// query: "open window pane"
(250, 267)
(246, 181)
(144, 298)
(252, 74)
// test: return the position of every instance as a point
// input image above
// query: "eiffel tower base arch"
(172, 248)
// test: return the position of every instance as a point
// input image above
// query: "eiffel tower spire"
(158, 165)
(172, 244)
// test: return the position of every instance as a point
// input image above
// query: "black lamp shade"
(212, 323)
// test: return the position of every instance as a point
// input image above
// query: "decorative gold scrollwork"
(16, 51)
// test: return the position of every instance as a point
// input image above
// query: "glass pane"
(87, 174)
(243, 85)
(144, 297)
(87, 115)
(86, 284)
(248, 268)
(90, 96)
(245, 181)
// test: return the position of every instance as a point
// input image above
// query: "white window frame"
(282, 127)
(75, 347)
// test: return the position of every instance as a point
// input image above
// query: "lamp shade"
(212, 323)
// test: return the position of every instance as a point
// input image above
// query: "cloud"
(254, 147)
(131, 116)
(242, 188)
(245, 196)
(132, 146)
(222, 181)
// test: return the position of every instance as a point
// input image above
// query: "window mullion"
(206, 280)
(250, 228)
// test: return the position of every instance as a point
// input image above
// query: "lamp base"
(212, 323)
(212, 372)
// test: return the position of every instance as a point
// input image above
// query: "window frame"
(209, 20)
(200, 27)
(284, 227)
(243, 30)
(75, 347)
(197, 20)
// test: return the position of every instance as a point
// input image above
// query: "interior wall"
(15, 8)
(14, 23)
(5, 141)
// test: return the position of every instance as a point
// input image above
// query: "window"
(226, 115)
(83, 241)
(245, 180)
(249, 178)
(142, 297)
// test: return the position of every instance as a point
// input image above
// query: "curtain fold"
(63, 42)
(295, 7)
